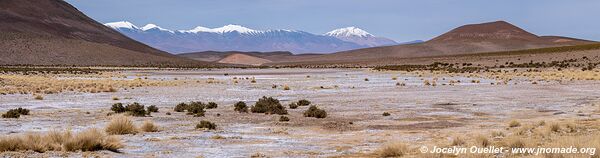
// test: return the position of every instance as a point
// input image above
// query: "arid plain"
(368, 111)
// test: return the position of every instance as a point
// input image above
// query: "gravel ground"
(419, 113)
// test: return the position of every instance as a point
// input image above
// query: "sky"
(400, 20)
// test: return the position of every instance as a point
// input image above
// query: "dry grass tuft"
(554, 127)
(392, 150)
(458, 141)
(38, 97)
(482, 141)
(514, 123)
(149, 126)
(89, 140)
(120, 125)
(92, 140)
(498, 134)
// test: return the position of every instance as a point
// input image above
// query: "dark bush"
(22, 111)
(181, 107)
(241, 107)
(11, 114)
(303, 102)
(168, 113)
(268, 106)
(284, 119)
(206, 125)
(313, 111)
(293, 105)
(152, 108)
(211, 105)
(386, 114)
(196, 109)
(118, 108)
(136, 109)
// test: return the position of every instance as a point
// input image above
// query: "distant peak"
(224, 29)
(348, 31)
(154, 26)
(486, 31)
(121, 24)
(232, 28)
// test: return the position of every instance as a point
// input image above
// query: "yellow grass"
(149, 126)
(514, 123)
(88, 140)
(38, 97)
(50, 84)
(120, 125)
(392, 150)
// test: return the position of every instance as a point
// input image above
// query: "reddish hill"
(467, 39)
(52, 32)
(243, 59)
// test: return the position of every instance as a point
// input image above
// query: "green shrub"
(196, 109)
(11, 114)
(268, 106)
(181, 107)
(136, 109)
(211, 105)
(206, 125)
(118, 108)
(303, 102)
(386, 114)
(22, 111)
(313, 111)
(152, 108)
(284, 119)
(241, 107)
(15, 113)
(293, 105)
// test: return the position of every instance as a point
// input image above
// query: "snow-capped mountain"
(359, 36)
(239, 38)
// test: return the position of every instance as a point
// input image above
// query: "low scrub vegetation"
(193, 108)
(88, 140)
(133, 109)
(303, 102)
(284, 119)
(152, 108)
(15, 113)
(211, 105)
(240, 107)
(206, 125)
(293, 105)
(313, 111)
(386, 114)
(268, 106)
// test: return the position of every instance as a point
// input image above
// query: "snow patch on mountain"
(348, 31)
(121, 25)
(154, 26)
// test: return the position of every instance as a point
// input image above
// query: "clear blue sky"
(401, 20)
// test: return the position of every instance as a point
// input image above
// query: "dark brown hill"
(52, 32)
(467, 39)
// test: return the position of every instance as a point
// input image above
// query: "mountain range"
(239, 38)
(52, 32)
(466, 39)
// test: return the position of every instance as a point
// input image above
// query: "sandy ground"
(419, 114)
